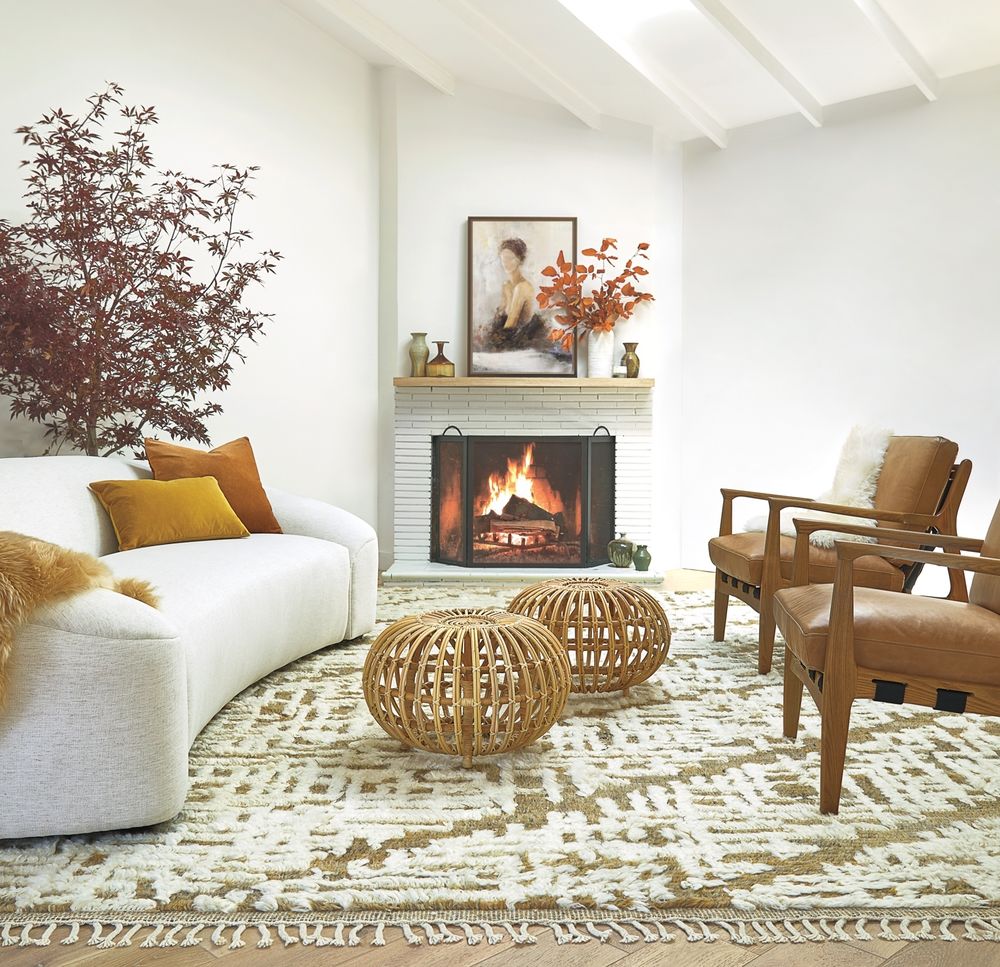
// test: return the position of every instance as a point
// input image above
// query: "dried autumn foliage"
(121, 295)
(589, 300)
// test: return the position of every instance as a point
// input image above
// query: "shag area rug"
(678, 812)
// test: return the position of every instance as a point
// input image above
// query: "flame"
(514, 483)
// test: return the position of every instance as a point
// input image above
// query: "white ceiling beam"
(923, 77)
(367, 26)
(529, 66)
(736, 30)
(678, 98)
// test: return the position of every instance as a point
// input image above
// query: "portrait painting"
(509, 334)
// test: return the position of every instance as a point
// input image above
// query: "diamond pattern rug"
(678, 811)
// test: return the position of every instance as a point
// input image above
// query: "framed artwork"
(508, 332)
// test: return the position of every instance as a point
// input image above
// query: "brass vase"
(440, 365)
(630, 360)
(418, 353)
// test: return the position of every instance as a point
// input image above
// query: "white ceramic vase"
(600, 354)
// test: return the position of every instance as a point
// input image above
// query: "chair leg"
(765, 640)
(792, 704)
(721, 608)
(836, 716)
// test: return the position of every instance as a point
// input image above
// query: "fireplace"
(513, 501)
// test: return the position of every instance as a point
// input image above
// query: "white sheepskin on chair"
(854, 485)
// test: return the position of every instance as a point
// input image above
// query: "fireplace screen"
(518, 501)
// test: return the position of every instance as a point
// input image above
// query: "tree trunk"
(92, 450)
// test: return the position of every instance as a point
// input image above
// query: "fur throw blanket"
(854, 485)
(34, 573)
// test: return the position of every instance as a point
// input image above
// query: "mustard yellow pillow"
(147, 512)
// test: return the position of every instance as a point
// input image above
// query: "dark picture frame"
(498, 245)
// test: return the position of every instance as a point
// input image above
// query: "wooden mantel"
(554, 383)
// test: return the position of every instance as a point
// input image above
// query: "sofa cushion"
(148, 512)
(742, 556)
(243, 607)
(233, 466)
(902, 634)
(47, 497)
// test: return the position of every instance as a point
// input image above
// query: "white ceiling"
(689, 68)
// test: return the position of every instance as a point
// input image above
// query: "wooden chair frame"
(761, 598)
(841, 680)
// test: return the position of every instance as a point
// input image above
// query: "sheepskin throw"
(34, 573)
(854, 485)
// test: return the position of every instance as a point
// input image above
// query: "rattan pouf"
(615, 635)
(466, 682)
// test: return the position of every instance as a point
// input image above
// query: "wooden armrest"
(849, 551)
(804, 528)
(916, 538)
(869, 513)
(729, 493)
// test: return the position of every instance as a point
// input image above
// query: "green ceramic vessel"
(620, 551)
(419, 354)
(642, 558)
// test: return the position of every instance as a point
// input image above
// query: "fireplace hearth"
(514, 501)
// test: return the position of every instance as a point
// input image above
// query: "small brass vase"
(630, 360)
(440, 365)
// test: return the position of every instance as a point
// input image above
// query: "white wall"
(862, 254)
(842, 275)
(483, 153)
(249, 82)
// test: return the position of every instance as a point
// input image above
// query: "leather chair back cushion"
(985, 589)
(914, 474)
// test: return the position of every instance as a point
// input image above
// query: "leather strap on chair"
(951, 701)
(891, 692)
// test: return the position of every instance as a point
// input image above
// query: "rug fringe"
(106, 934)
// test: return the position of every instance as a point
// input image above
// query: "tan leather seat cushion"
(897, 633)
(742, 556)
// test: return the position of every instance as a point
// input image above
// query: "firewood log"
(522, 509)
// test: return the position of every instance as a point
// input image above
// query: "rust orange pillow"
(232, 465)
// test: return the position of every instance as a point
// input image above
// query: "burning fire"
(515, 483)
(523, 479)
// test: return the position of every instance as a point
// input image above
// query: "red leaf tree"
(122, 296)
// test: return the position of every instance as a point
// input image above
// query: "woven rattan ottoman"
(615, 635)
(466, 682)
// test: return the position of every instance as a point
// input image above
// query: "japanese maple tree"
(123, 293)
(588, 297)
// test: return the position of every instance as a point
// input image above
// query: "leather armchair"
(920, 488)
(844, 642)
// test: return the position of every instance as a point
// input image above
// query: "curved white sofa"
(108, 694)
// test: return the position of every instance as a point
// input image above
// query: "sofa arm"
(314, 518)
(94, 732)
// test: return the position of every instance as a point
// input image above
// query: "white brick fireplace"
(519, 407)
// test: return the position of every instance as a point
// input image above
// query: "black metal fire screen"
(520, 501)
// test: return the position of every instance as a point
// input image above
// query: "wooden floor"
(396, 953)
